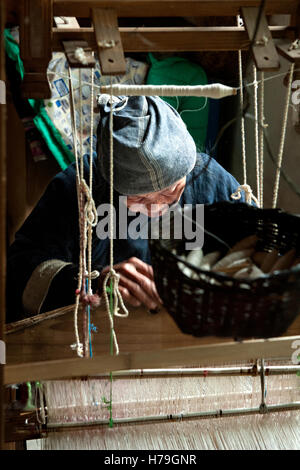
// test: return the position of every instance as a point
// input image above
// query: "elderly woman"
(155, 163)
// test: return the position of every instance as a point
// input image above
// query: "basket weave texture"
(220, 305)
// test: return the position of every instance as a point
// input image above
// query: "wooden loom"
(48, 336)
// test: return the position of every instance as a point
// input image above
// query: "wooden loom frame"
(140, 40)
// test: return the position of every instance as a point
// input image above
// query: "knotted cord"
(282, 137)
(87, 221)
(115, 295)
(249, 196)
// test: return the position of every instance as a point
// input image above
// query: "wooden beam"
(171, 8)
(263, 49)
(66, 22)
(108, 41)
(2, 213)
(292, 54)
(204, 354)
(70, 51)
(170, 39)
(35, 46)
(142, 338)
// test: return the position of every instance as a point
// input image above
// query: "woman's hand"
(136, 283)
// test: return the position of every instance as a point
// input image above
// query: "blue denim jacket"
(51, 231)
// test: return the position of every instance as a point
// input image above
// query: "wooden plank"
(109, 43)
(66, 22)
(70, 49)
(263, 48)
(50, 335)
(170, 8)
(2, 214)
(35, 46)
(203, 354)
(170, 39)
(54, 333)
(288, 52)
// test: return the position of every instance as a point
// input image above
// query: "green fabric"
(193, 110)
(41, 119)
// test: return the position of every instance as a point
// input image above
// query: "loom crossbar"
(212, 354)
(171, 8)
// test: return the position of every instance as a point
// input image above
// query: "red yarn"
(92, 300)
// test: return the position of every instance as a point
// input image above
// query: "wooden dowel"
(174, 417)
(169, 39)
(200, 371)
(36, 320)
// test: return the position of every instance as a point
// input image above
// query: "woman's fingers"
(136, 283)
(140, 291)
(128, 298)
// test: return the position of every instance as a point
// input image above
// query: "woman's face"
(155, 204)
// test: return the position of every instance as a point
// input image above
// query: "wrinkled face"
(155, 204)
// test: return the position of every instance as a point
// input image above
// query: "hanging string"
(256, 133)
(245, 188)
(249, 196)
(112, 305)
(243, 136)
(78, 346)
(282, 137)
(87, 221)
(262, 127)
(236, 90)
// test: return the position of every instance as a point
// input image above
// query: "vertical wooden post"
(2, 213)
(263, 50)
(108, 39)
(35, 46)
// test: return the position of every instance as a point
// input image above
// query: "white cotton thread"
(282, 137)
(88, 216)
(263, 41)
(243, 136)
(107, 44)
(112, 275)
(215, 90)
(261, 138)
(100, 87)
(80, 55)
(78, 346)
(249, 196)
(294, 45)
(256, 133)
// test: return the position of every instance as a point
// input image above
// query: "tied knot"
(89, 208)
(80, 55)
(249, 196)
(107, 44)
(92, 275)
(295, 45)
(88, 298)
(114, 290)
(113, 308)
(93, 300)
(78, 347)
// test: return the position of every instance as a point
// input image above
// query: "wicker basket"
(230, 307)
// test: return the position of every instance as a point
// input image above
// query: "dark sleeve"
(62, 288)
(214, 183)
(44, 246)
